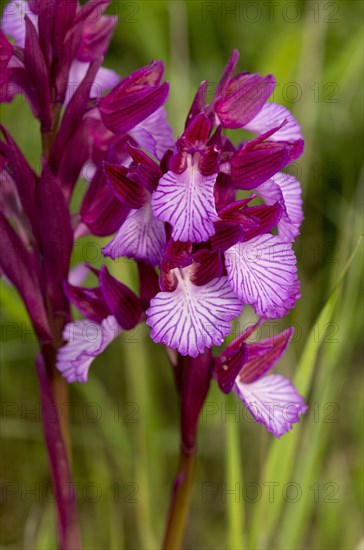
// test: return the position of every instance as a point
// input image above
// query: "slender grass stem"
(234, 477)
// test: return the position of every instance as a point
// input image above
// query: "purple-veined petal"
(197, 132)
(192, 318)
(198, 103)
(154, 134)
(134, 99)
(263, 355)
(149, 75)
(226, 235)
(149, 176)
(208, 163)
(13, 20)
(121, 301)
(85, 341)
(186, 201)
(254, 164)
(228, 365)
(245, 97)
(131, 193)
(287, 190)
(143, 138)
(235, 212)
(148, 171)
(263, 273)
(89, 301)
(267, 217)
(101, 211)
(177, 254)
(227, 74)
(273, 401)
(271, 116)
(207, 266)
(142, 237)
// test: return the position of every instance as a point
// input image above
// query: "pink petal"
(193, 317)
(227, 74)
(141, 236)
(105, 79)
(186, 201)
(262, 272)
(256, 162)
(245, 97)
(131, 193)
(122, 302)
(273, 401)
(89, 301)
(122, 109)
(154, 134)
(78, 274)
(263, 355)
(287, 190)
(86, 340)
(144, 139)
(273, 115)
(13, 20)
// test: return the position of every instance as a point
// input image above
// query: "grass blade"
(234, 478)
(282, 454)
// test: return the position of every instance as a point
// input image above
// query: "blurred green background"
(304, 491)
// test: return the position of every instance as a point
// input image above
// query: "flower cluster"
(210, 224)
(214, 253)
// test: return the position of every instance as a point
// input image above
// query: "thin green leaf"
(234, 478)
(282, 453)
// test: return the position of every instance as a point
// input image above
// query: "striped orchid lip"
(272, 400)
(192, 318)
(203, 250)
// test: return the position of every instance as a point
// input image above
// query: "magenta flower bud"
(134, 99)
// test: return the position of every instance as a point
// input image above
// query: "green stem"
(179, 507)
